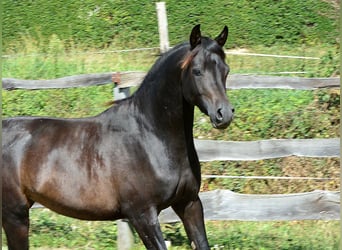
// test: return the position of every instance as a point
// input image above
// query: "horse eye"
(197, 72)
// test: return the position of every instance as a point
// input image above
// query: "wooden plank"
(131, 79)
(134, 78)
(128, 79)
(227, 205)
(64, 82)
(210, 150)
(280, 82)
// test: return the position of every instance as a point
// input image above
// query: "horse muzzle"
(222, 117)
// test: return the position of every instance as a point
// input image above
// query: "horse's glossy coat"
(131, 161)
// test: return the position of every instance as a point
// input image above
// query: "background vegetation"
(49, 39)
(52, 231)
(133, 23)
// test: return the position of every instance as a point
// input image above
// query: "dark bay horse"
(131, 161)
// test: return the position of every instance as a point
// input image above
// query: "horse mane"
(188, 58)
(160, 62)
(207, 44)
(155, 68)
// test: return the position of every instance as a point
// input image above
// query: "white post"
(125, 237)
(162, 27)
(119, 93)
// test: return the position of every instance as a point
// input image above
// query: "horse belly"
(75, 199)
(72, 189)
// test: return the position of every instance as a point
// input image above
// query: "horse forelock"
(189, 57)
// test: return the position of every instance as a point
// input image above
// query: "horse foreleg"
(147, 226)
(192, 217)
(16, 226)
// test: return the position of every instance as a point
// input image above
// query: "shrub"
(134, 23)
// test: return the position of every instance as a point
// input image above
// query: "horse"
(131, 161)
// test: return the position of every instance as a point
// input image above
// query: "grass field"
(52, 231)
(261, 114)
(58, 60)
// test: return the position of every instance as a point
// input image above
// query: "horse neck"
(160, 95)
(160, 100)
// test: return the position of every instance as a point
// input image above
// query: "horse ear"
(195, 36)
(222, 38)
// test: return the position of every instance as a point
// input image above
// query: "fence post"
(125, 237)
(119, 93)
(162, 27)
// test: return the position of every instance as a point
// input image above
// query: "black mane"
(175, 53)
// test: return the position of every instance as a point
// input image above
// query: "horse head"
(204, 77)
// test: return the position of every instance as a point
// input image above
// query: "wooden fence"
(134, 78)
(225, 204)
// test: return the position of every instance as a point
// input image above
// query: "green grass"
(288, 166)
(60, 58)
(49, 230)
(98, 24)
(76, 102)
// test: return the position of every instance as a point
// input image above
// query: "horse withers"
(131, 161)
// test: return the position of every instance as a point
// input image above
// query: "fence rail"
(127, 79)
(134, 78)
(228, 205)
(214, 150)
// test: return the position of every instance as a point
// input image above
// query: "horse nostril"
(219, 115)
(233, 110)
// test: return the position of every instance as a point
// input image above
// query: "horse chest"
(156, 170)
(174, 181)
